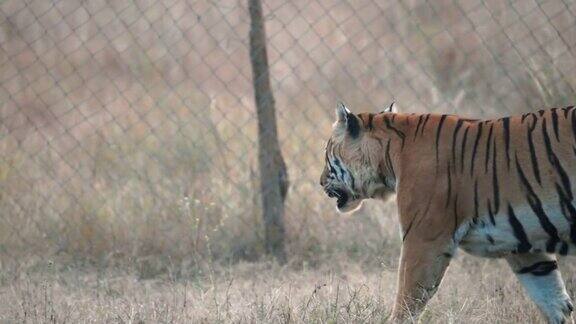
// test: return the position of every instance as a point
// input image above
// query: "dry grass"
(474, 291)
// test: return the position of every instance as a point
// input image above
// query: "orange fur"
(451, 176)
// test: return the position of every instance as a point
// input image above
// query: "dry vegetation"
(474, 291)
(127, 160)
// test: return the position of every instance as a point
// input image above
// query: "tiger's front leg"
(422, 266)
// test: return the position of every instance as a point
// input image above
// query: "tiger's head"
(354, 168)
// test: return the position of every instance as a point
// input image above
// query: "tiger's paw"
(561, 312)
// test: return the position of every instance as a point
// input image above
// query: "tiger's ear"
(391, 108)
(345, 118)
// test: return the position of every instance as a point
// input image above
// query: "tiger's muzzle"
(341, 196)
(345, 201)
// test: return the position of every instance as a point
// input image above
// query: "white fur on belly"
(496, 240)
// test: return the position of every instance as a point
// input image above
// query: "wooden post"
(273, 174)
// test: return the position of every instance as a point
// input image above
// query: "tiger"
(496, 188)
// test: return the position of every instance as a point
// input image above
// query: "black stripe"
(340, 171)
(438, 131)
(541, 112)
(495, 186)
(536, 206)
(533, 157)
(343, 172)
(389, 160)
(555, 123)
(556, 163)
(491, 213)
(476, 213)
(487, 153)
(526, 116)
(541, 268)
(566, 110)
(475, 149)
(553, 159)
(568, 211)
(463, 148)
(454, 136)
(424, 124)
(353, 125)
(523, 245)
(370, 121)
(418, 126)
(395, 130)
(506, 126)
(332, 169)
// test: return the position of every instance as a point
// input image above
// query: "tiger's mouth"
(344, 201)
(340, 195)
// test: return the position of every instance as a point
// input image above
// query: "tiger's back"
(512, 189)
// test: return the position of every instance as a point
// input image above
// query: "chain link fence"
(128, 129)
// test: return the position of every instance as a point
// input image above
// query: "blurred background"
(128, 129)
